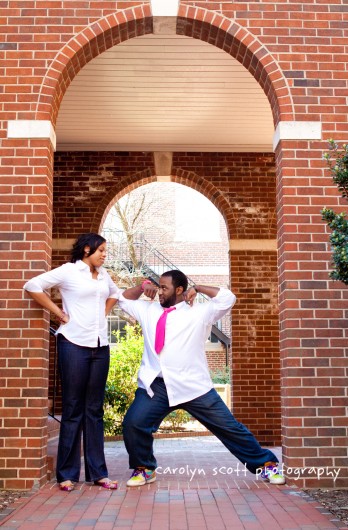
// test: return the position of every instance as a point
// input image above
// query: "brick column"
(313, 338)
(26, 211)
(255, 338)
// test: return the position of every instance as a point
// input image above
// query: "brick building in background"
(289, 338)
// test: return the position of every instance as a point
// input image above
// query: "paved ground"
(200, 486)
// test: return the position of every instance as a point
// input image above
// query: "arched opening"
(163, 226)
(243, 206)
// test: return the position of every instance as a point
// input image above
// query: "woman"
(83, 351)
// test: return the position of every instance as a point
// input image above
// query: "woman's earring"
(87, 252)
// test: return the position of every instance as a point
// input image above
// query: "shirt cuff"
(33, 287)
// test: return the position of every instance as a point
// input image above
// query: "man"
(174, 374)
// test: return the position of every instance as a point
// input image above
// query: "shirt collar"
(81, 265)
(180, 305)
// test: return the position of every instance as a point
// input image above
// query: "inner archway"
(166, 225)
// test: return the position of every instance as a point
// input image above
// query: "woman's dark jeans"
(83, 374)
(146, 414)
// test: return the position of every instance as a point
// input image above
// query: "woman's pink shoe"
(67, 486)
(107, 484)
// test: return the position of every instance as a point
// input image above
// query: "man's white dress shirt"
(83, 300)
(182, 363)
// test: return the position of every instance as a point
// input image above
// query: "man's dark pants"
(146, 414)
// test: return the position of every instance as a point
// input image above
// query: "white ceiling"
(159, 93)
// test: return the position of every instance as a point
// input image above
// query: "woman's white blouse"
(83, 300)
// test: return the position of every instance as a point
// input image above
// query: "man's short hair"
(178, 278)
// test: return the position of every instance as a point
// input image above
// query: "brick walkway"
(199, 486)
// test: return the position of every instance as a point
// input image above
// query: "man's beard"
(169, 302)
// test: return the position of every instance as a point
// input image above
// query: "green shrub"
(176, 420)
(125, 358)
(221, 377)
(337, 160)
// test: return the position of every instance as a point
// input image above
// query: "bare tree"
(131, 216)
(129, 222)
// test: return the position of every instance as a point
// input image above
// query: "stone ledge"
(179, 434)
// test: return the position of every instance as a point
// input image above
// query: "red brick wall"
(313, 334)
(241, 185)
(26, 216)
(85, 183)
(255, 346)
(297, 52)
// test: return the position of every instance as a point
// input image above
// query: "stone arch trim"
(194, 22)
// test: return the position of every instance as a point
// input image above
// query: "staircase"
(147, 261)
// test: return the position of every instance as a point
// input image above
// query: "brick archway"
(238, 42)
(192, 22)
(85, 46)
(42, 53)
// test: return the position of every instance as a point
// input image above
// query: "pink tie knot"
(168, 309)
(161, 329)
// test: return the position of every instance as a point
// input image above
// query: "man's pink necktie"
(161, 329)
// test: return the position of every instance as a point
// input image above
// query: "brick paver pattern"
(200, 486)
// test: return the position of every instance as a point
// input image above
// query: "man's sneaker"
(271, 473)
(142, 476)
